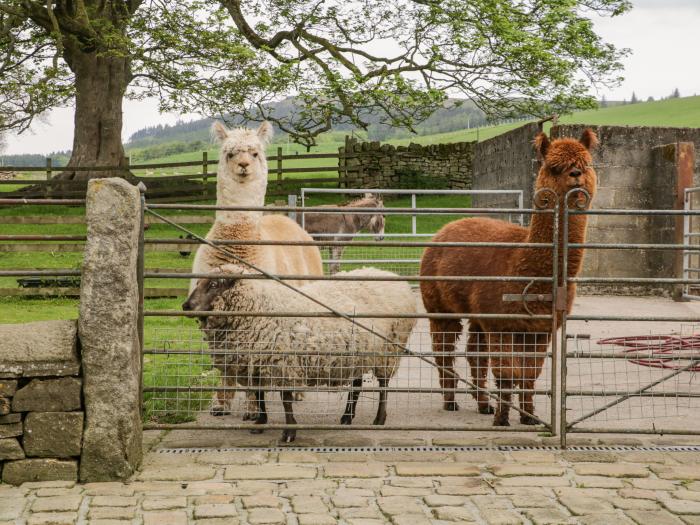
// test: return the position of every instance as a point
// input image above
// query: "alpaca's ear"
(541, 146)
(265, 132)
(589, 139)
(219, 131)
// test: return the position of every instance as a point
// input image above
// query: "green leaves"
(341, 60)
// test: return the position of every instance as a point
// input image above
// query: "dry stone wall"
(70, 395)
(375, 165)
(41, 408)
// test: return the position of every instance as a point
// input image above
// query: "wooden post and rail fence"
(190, 185)
(177, 182)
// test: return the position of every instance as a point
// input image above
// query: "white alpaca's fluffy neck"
(230, 191)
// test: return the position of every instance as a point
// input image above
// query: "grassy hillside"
(675, 112)
(679, 112)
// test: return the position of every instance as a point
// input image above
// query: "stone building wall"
(375, 165)
(505, 162)
(637, 167)
(635, 171)
(41, 407)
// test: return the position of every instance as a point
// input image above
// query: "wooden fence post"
(279, 166)
(343, 162)
(48, 176)
(204, 172)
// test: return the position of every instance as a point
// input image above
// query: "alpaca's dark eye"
(230, 155)
(255, 154)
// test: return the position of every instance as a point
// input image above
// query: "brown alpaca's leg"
(503, 408)
(505, 372)
(479, 368)
(444, 334)
(531, 371)
(526, 402)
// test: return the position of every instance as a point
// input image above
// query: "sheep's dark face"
(205, 294)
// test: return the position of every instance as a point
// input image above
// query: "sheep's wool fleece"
(285, 351)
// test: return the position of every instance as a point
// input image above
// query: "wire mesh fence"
(649, 380)
(624, 380)
(190, 377)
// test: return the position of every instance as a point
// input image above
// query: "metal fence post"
(292, 203)
(140, 272)
(555, 309)
(413, 217)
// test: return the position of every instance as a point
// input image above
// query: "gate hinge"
(561, 299)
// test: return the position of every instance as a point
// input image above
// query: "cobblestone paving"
(366, 488)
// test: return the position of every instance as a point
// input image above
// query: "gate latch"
(528, 297)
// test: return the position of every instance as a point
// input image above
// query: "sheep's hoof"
(451, 406)
(486, 409)
(257, 430)
(288, 436)
(346, 419)
(501, 422)
(528, 420)
(219, 411)
(379, 420)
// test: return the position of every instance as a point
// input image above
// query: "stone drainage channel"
(498, 448)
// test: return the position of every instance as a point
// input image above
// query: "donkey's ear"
(265, 131)
(219, 132)
(589, 139)
(541, 146)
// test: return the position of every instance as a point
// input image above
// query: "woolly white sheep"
(295, 352)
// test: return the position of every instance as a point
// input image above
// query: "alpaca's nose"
(575, 173)
(187, 305)
(243, 164)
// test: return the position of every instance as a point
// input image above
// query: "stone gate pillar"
(108, 330)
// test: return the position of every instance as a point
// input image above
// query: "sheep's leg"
(350, 406)
(479, 369)
(288, 434)
(261, 419)
(444, 334)
(381, 408)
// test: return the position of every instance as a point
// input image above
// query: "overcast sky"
(664, 36)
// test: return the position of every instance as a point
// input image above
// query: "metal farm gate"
(630, 383)
(613, 365)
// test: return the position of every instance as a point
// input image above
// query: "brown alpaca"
(566, 164)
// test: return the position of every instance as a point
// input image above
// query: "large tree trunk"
(100, 84)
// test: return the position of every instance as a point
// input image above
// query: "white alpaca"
(241, 181)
